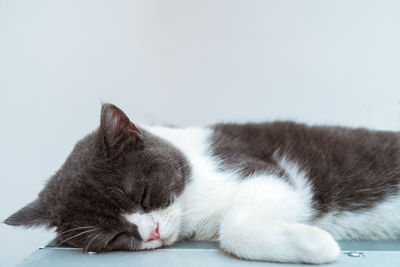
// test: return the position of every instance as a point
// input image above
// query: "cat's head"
(117, 190)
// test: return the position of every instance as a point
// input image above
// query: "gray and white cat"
(277, 191)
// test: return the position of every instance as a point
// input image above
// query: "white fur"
(145, 223)
(262, 218)
(380, 222)
(167, 221)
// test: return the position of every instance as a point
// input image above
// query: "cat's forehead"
(156, 167)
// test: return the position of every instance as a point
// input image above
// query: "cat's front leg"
(276, 240)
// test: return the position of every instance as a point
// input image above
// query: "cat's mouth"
(156, 229)
(165, 240)
(166, 232)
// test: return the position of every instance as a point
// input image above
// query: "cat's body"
(329, 177)
(273, 191)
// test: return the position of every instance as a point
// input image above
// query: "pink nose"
(154, 235)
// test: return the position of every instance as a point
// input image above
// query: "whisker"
(90, 242)
(87, 231)
(74, 229)
(184, 166)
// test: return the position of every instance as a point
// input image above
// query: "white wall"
(181, 62)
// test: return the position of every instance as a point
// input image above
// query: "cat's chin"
(154, 244)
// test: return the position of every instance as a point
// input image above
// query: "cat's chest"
(205, 200)
(211, 195)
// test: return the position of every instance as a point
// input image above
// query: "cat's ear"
(33, 214)
(116, 128)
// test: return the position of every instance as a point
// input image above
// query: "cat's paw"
(317, 246)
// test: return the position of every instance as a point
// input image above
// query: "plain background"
(185, 63)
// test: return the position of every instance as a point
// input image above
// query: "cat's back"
(262, 140)
(349, 169)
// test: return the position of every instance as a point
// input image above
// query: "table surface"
(198, 253)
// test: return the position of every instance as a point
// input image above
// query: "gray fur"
(114, 170)
(350, 169)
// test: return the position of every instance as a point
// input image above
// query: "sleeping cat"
(277, 191)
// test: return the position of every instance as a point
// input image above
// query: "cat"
(279, 191)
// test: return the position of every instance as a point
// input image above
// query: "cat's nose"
(155, 234)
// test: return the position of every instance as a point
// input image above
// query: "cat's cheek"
(169, 223)
(171, 239)
(169, 227)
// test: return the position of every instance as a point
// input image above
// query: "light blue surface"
(375, 253)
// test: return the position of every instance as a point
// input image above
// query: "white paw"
(317, 246)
